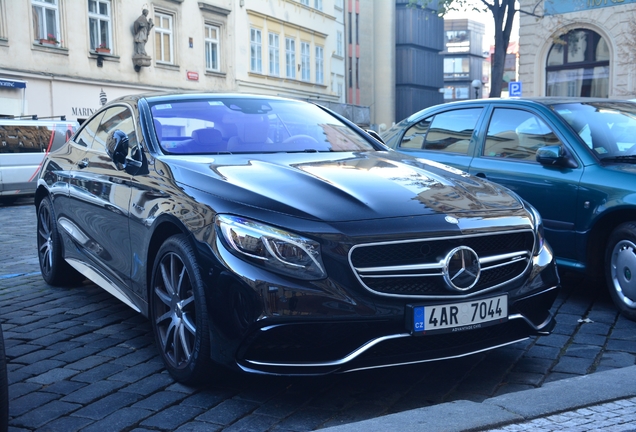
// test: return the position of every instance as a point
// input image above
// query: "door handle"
(83, 163)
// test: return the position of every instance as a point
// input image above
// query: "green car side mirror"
(554, 156)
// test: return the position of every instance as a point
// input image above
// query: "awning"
(6, 83)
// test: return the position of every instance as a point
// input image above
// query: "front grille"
(416, 268)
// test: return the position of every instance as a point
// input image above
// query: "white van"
(23, 144)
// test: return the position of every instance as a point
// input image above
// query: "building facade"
(419, 79)
(578, 48)
(369, 55)
(60, 59)
(463, 59)
(392, 62)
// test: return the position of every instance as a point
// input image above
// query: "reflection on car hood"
(340, 186)
(627, 167)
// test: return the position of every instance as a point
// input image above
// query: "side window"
(517, 134)
(24, 139)
(164, 36)
(449, 131)
(86, 135)
(415, 135)
(212, 49)
(62, 133)
(118, 117)
(46, 22)
(99, 25)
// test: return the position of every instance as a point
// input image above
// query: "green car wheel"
(621, 268)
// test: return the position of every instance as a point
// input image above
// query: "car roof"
(185, 95)
(32, 122)
(545, 100)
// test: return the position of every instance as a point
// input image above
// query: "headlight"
(273, 248)
(538, 227)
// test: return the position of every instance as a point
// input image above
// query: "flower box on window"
(102, 50)
(48, 42)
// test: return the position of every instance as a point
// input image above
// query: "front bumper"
(265, 323)
(322, 348)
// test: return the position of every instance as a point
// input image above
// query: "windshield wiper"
(310, 150)
(624, 158)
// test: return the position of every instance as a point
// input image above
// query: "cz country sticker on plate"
(452, 317)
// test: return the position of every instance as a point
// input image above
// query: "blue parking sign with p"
(514, 88)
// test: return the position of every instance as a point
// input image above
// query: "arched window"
(578, 65)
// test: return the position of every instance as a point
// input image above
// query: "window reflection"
(578, 65)
(450, 131)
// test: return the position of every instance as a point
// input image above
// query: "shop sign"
(5, 83)
(82, 111)
(555, 7)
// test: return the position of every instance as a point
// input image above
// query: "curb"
(553, 398)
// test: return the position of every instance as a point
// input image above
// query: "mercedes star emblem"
(461, 268)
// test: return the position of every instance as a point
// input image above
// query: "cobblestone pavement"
(81, 360)
(619, 416)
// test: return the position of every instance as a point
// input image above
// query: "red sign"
(193, 76)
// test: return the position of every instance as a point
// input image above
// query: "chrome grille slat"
(425, 278)
(402, 275)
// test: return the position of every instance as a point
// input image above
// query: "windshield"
(250, 125)
(607, 128)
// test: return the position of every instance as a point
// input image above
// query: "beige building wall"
(71, 79)
(377, 60)
(303, 23)
(614, 21)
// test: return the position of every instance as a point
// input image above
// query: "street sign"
(514, 89)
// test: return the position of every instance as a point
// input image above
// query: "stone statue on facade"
(141, 30)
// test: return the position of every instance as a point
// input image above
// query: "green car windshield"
(607, 128)
(250, 125)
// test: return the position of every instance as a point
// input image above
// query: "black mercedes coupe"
(273, 236)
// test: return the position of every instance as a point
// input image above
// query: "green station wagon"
(574, 159)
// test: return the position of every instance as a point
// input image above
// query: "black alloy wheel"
(178, 312)
(620, 259)
(55, 271)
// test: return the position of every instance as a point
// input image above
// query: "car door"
(100, 199)
(445, 137)
(58, 174)
(506, 154)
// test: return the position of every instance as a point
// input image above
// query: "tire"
(4, 388)
(55, 271)
(178, 313)
(620, 268)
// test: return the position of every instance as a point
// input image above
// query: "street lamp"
(476, 84)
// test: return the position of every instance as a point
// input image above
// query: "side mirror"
(117, 146)
(375, 135)
(554, 156)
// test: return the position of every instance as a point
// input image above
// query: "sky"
(487, 19)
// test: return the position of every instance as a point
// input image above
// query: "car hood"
(626, 167)
(341, 186)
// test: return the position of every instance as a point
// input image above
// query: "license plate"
(461, 316)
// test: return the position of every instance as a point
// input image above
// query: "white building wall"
(67, 80)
